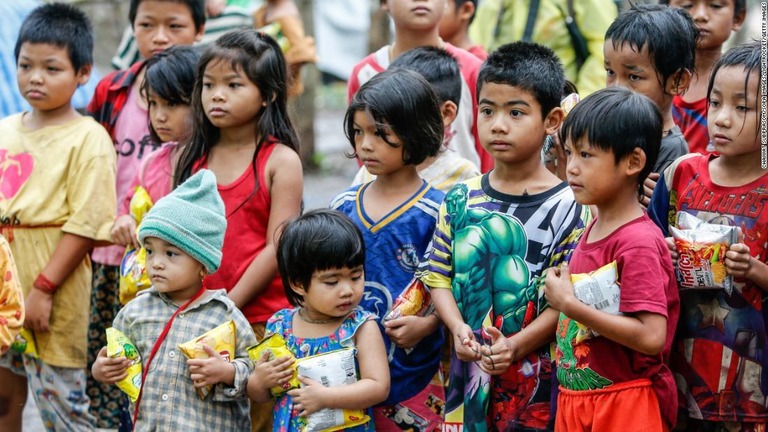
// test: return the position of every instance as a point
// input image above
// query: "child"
(495, 236)
(650, 49)
(12, 305)
(183, 234)
(167, 87)
(244, 135)
(320, 257)
(117, 104)
(419, 25)
(729, 189)
(54, 208)
(618, 376)
(715, 22)
(393, 124)
(454, 26)
(440, 69)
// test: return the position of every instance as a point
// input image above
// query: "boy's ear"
(466, 10)
(200, 33)
(635, 162)
(678, 83)
(553, 120)
(738, 19)
(84, 74)
(448, 110)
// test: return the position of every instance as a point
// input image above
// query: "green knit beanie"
(191, 218)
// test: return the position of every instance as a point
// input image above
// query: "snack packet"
(275, 345)
(701, 249)
(599, 289)
(118, 345)
(133, 268)
(223, 340)
(275, 30)
(332, 369)
(24, 343)
(414, 300)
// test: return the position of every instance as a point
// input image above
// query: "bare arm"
(464, 342)
(286, 189)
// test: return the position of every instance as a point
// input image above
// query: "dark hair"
(746, 56)
(319, 240)
(618, 120)
(260, 59)
(569, 87)
(438, 67)
(529, 66)
(61, 25)
(669, 34)
(196, 8)
(739, 6)
(170, 75)
(405, 102)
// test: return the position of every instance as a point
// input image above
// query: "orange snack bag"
(414, 300)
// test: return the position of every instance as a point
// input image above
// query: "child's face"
(378, 156)
(161, 24)
(229, 98)
(171, 270)
(416, 14)
(451, 23)
(333, 293)
(46, 77)
(171, 122)
(510, 124)
(592, 173)
(632, 69)
(732, 117)
(714, 19)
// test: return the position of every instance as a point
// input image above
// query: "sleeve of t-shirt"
(439, 254)
(642, 280)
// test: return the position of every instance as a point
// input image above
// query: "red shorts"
(629, 406)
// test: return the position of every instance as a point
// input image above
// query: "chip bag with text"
(701, 249)
(414, 300)
(223, 340)
(133, 269)
(118, 345)
(275, 345)
(336, 368)
(599, 289)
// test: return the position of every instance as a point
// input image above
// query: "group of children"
(207, 135)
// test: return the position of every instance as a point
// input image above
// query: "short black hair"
(319, 240)
(739, 6)
(618, 120)
(405, 102)
(61, 25)
(438, 67)
(529, 66)
(196, 8)
(748, 57)
(669, 33)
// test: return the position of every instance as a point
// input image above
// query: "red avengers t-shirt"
(647, 281)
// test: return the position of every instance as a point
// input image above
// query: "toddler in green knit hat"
(183, 235)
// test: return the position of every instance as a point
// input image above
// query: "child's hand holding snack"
(308, 399)
(109, 370)
(271, 373)
(558, 288)
(465, 345)
(124, 231)
(212, 370)
(408, 330)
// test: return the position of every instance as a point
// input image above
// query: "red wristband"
(44, 284)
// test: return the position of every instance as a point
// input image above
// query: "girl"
(321, 257)
(167, 87)
(397, 213)
(727, 189)
(243, 134)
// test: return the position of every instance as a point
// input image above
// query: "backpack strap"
(578, 42)
(533, 11)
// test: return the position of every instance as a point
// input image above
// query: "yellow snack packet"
(275, 345)
(133, 268)
(24, 343)
(223, 340)
(118, 345)
(333, 369)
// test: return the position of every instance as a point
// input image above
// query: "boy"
(495, 236)
(120, 108)
(54, 209)
(612, 367)
(715, 22)
(650, 49)
(419, 25)
(454, 27)
(183, 234)
(440, 69)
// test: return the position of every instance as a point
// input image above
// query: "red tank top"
(246, 236)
